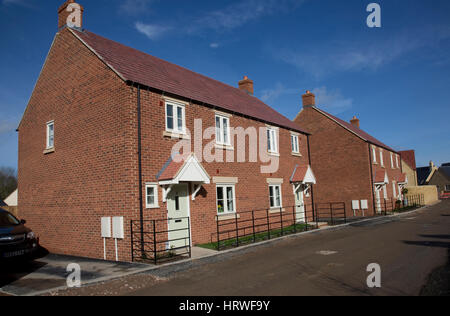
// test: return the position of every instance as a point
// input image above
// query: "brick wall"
(93, 171)
(341, 162)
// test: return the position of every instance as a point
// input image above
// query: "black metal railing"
(409, 202)
(332, 214)
(237, 229)
(160, 240)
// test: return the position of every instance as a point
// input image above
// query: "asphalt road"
(408, 249)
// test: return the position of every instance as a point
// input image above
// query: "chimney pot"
(246, 85)
(355, 122)
(309, 99)
(76, 13)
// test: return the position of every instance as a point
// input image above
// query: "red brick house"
(101, 134)
(349, 164)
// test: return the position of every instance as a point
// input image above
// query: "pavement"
(50, 273)
(412, 250)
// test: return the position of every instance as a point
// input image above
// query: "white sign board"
(355, 205)
(118, 232)
(106, 227)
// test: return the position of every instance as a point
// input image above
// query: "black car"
(16, 240)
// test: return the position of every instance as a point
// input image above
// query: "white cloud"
(214, 45)
(362, 55)
(236, 15)
(152, 31)
(134, 7)
(270, 95)
(332, 101)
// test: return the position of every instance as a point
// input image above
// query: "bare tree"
(8, 182)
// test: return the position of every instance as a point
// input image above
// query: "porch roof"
(183, 168)
(303, 174)
(381, 177)
(402, 179)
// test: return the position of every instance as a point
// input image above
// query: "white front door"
(178, 214)
(299, 205)
(378, 200)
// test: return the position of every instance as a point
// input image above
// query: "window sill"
(273, 154)
(297, 154)
(174, 135)
(49, 151)
(152, 207)
(224, 147)
(227, 217)
(277, 210)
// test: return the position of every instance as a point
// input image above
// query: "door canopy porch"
(380, 179)
(303, 175)
(403, 179)
(183, 169)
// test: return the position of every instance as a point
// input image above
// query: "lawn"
(248, 239)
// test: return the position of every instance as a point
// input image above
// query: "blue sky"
(396, 79)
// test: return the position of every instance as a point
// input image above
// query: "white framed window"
(381, 157)
(447, 187)
(396, 161)
(275, 196)
(222, 130)
(374, 154)
(175, 117)
(295, 144)
(50, 143)
(151, 196)
(392, 161)
(385, 194)
(272, 141)
(226, 199)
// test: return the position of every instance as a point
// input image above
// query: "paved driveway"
(50, 272)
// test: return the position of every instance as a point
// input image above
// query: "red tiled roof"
(138, 67)
(402, 178)
(171, 169)
(380, 177)
(359, 132)
(409, 156)
(299, 173)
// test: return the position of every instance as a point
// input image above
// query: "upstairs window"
(381, 157)
(392, 161)
(374, 154)
(175, 118)
(222, 130)
(275, 196)
(272, 141)
(295, 145)
(50, 135)
(397, 163)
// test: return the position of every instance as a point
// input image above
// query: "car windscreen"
(7, 220)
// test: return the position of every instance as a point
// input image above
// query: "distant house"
(424, 174)
(441, 178)
(408, 159)
(11, 200)
(350, 165)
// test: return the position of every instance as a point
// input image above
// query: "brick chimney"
(72, 9)
(309, 99)
(246, 85)
(355, 121)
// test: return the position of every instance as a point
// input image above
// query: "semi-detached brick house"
(97, 137)
(349, 164)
